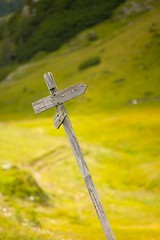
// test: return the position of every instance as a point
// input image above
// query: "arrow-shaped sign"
(59, 98)
(56, 99)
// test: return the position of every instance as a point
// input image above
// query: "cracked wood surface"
(58, 98)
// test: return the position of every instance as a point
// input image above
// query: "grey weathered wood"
(88, 180)
(59, 118)
(59, 97)
(50, 82)
(62, 118)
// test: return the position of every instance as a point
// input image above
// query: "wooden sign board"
(56, 99)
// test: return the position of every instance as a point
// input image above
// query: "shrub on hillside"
(15, 182)
(89, 63)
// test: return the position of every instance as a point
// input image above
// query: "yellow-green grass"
(125, 171)
(120, 141)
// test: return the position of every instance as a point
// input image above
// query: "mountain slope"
(127, 68)
(117, 124)
(45, 25)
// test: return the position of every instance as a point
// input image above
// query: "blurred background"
(114, 48)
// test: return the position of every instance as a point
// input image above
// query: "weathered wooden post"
(56, 99)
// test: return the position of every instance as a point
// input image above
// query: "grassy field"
(117, 123)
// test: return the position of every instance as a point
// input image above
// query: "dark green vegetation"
(18, 183)
(117, 124)
(10, 6)
(89, 63)
(45, 25)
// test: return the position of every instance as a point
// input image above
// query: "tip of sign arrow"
(84, 86)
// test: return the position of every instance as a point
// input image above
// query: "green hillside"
(127, 51)
(45, 25)
(117, 123)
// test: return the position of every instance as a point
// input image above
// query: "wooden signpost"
(56, 99)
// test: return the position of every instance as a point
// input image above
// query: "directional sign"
(59, 98)
(56, 99)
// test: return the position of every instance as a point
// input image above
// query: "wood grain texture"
(49, 79)
(58, 97)
(88, 180)
(82, 165)
(59, 118)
